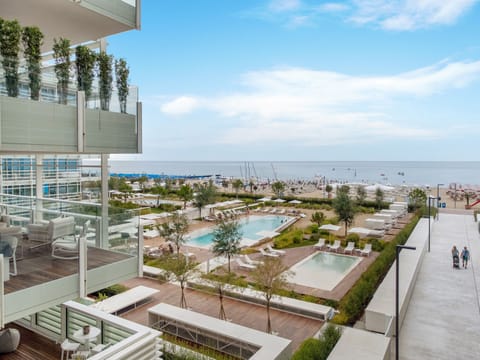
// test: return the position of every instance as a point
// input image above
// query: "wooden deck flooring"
(38, 266)
(290, 326)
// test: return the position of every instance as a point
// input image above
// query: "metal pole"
(397, 277)
(429, 204)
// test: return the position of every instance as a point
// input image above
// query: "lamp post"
(397, 333)
(438, 198)
(429, 207)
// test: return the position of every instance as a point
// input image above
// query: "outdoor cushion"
(9, 340)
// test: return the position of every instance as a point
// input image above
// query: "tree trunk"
(228, 257)
(269, 324)
(346, 227)
(183, 300)
(221, 314)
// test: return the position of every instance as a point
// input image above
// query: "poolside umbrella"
(264, 199)
(279, 200)
(379, 186)
(330, 227)
(295, 202)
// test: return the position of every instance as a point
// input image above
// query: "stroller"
(456, 261)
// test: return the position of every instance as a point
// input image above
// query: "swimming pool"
(253, 229)
(323, 270)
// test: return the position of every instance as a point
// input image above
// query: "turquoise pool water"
(323, 270)
(250, 227)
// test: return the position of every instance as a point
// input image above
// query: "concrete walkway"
(443, 317)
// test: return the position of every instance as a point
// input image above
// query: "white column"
(82, 266)
(2, 296)
(80, 121)
(104, 212)
(38, 216)
(140, 249)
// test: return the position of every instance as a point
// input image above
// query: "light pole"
(429, 207)
(438, 198)
(397, 334)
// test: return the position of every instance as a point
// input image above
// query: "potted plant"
(32, 39)
(121, 75)
(85, 64)
(105, 79)
(61, 54)
(11, 32)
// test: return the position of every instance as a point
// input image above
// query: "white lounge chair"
(281, 211)
(67, 248)
(264, 253)
(350, 247)
(336, 245)
(273, 211)
(250, 261)
(320, 244)
(275, 251)
(366, 250)
(243, 265)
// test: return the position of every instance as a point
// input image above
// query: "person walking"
(455, 258)
(465, 257)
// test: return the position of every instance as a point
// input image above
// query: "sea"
(411, 173)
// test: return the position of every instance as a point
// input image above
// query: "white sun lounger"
(350, 247)
(275, 251)
(320, 244)
(264, 253)
(250, 261)
(335, 246)
(243, 265)
(366, 250)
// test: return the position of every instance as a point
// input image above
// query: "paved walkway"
(443, 317)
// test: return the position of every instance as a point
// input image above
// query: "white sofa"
(56, 228)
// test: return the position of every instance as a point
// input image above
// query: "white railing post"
(82, 266)
(2, 295)
(80, 121)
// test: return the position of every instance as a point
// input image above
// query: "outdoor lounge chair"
(250, 261)
(68, 248)
(350, 247)
(275, 251)
(320, 244)
(336, 245)
(366, 250)
(243, 265)
(265, 253)
(46, 234)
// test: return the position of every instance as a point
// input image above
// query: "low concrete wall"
(361, 345)
(381, 308)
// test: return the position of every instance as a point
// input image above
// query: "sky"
(306, 80)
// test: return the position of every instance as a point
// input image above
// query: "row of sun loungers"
(350, 248)
(223, 215)
(245, 262)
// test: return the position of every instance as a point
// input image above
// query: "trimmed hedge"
(319, 349)
(353, 304)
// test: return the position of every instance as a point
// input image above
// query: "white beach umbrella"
(295, 202)
(279, 200)
(330, 227)
(379, 186)
(264, 199)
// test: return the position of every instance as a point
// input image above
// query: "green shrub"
(313, 349)
(353, 237)
(314, 228)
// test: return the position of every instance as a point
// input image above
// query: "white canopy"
(264, 199)
(330, 227)
(295, 202)
(379, 186)
(360, 230)
(279, 200)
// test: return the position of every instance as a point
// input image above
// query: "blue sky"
(307, 80)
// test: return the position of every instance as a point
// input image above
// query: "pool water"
(323, 270)
(251, 229)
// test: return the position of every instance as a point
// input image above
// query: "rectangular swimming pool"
(251, 227)
(323, 270)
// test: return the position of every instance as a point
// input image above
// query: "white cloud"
(284, 5)
(333, 7)
(403, 15)
(323, 108)
(180, 105)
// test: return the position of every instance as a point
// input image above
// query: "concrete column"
(82, 265)
(104, 201)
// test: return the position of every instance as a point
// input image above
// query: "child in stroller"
(456, 258)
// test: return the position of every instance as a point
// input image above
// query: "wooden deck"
(290, 326)
(38, 266)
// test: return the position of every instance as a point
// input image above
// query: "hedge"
(353, 304)
(318, 349)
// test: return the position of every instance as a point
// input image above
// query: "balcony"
(43, 281)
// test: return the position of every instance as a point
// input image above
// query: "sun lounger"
(350, 247)
(281, 211)
(266, 210)
(250, 261)
(320, 244)
(335, 246)
(264, 253)
(366, 250)
(275, 251)
(243, 265)
(273, 211)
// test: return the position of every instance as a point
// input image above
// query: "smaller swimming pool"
(253, 229)
(323, 270)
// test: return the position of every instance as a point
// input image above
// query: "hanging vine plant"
(10, 34)
(32, 39)
(61, 54)
(121, 75)
(105, 63)
(85, 64)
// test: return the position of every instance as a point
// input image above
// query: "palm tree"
(329, 190)
(361, 195)
(226, 239)
(379, 195)
(270, 276)
(186, 194)
(175, 230)
(237, 185)
(161, 192)
(318, 217)
(278, 188)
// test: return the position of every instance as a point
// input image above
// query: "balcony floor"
(37, 266)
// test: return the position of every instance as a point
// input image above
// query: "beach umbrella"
(295, 202)
(330, 227)
(264, 199)
(279, 200)
(379, 186)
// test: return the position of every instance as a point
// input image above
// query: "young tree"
(226, 239)
(251, 184)
(361, 194)
(85, 60)
(329, 189)
(185, 193)
(220, 280)
(160, 191)
(237, 184)
(32, 39)
(344, 207)
(61, 54)
(179, 269)
(318, 217)
(121, 76)
(278, 188)
(417, 197)
(270, 276)
(105, 69)
(175, 230)
(206, 194)
(379, 196)
(10, 34)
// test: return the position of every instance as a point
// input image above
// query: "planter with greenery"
(319, 349)
(85, 64)
(121, 76)
(105, 64)
(11, 32)
(61, 54)
(32, 39)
